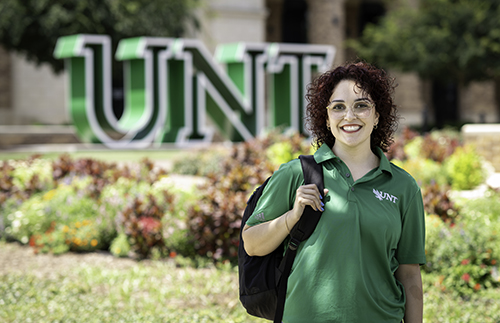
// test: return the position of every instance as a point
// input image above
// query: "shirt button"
(352, 189)
(347, 175)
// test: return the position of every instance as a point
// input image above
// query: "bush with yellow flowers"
(43, 212)
(82, 236)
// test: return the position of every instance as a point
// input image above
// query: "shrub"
(159, 203)
(425, 171)
(468, 261)
(6, 182)
(82, 235)
(59, 238)
(290, 148)
(33, 175)
(42, 219)
(45, 211)
(214, 221)
(446, 305)
(21, 179)
(397, 149)
(439, 145)
(175, 232)
(120, 246)
(436, 145)
(438, 202)
(200, 163)
(51, 240)
(487, 207)
(464, 169)
(141, 221)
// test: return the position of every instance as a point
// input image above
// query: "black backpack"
(263, 280)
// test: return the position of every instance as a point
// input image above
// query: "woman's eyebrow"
(360, 99)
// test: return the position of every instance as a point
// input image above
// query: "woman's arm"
(410, 277)
(264, 238)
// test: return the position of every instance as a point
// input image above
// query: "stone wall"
(477, 103)
(486, 139)
(38, 95)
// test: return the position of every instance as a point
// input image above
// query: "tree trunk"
(497, 97)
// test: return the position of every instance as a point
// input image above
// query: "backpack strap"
(313, 174)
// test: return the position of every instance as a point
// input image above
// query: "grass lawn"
(101, 288)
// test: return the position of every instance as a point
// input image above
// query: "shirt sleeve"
(411, 247)
(278, 196)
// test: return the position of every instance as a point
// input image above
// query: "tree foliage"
(446, 40)
(32, 27)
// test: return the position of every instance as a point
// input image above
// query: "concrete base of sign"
(11, 136)
(486, 139)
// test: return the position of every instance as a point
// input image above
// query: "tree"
(32, 27)
(443, 40)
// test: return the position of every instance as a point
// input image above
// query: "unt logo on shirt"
(384, 196)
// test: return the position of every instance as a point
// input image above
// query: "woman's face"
(351, 116)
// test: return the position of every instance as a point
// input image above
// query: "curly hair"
(371, 80)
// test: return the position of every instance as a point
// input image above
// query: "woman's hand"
(261, 239)
(306, 195)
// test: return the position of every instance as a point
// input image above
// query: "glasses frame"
(337, 115)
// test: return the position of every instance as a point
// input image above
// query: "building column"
(228, 21)
(326, 25)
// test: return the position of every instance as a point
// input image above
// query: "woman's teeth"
(351, 128)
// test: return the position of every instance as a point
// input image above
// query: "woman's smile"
(351, 128)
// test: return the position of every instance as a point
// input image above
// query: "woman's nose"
(349, 115)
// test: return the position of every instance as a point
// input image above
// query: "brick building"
(34, 95)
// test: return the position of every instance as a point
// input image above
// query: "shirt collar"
(325, 153)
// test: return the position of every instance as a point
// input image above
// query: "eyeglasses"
(361, 109)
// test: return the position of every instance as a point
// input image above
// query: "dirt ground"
(17, 258)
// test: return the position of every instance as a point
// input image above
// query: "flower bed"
(135, 210)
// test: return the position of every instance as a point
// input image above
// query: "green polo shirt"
(345, 271)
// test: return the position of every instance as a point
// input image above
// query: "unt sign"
(172, 85)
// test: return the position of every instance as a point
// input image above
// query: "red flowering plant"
(141, 221)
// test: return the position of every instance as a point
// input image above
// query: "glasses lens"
(362, 109)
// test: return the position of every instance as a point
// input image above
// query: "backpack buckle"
(294, 243)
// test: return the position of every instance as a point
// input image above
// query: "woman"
(361, 264)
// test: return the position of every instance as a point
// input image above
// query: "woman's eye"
(362, 106)
(338, 107)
